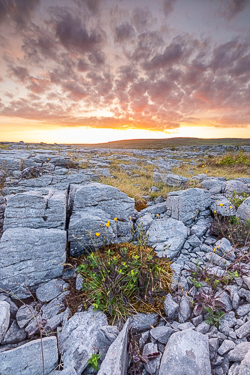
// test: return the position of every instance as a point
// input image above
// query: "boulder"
(94, 206)
(27, 359)
(214, 185)
(167, 236)
(185, 205)
(116, 360)
(245, 365)
(174, 180)
(236, 186)
(223, 207)
(29, 257)
(4, 319)
(243, 211)
(50, 290)
(186, 353)
(78, 339)
(14, 335)
(36, 210)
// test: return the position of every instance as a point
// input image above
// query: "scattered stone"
(4, 319)
(27, 359)
(192, 350)
(51, 290)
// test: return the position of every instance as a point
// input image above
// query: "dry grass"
(4, 147)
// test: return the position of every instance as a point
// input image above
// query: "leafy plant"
(238, 198)
(93, 361)
(214, 317)
(207, 299)
(196, 283)
(237, 232)
(123, 280)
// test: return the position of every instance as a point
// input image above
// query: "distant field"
(169, 142)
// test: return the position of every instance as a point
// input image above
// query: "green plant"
(123, 280)
(196, 283)
(93, 361)
(237, 232)
(238, 198)
(214, 316)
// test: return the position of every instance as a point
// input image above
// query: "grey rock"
(183, 326)
(185, 205)
(185, 310)
(235, 186)
(203, 327)
(223, 207)
(167, 236)
(79, 338)
(228, 320)
(14, 334)
(92, 206)
(214, 185)
(245, 365)
(29, 257)
(242, 310)
(105, 337)
(79, 282)
(24, 315)
(116, 360)
(226, 346)
(13, 306)
(35, 210)
(239, 352)
(54, 307)
(50, 290)
(174, 180)
(142, 322)
(244, 294)
(186, 353)
(194, 241)
(159, 208)
(170, 306)
(153, 365)
(161, 334)
(213, 347)
(246, 280)
(243, 331)
(200, 228)
(243, 211)
(234, 369)
(224, 247)
(26, 359)
(4, 319)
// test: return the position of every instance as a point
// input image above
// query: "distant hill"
(168, 142)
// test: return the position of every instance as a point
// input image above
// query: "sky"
(90, 71)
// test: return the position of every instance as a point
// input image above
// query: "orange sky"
(80, 71)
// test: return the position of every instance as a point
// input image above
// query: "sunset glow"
(92, 71)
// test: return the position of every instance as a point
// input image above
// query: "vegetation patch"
(123, 280)
(238, 198)
(232, 228)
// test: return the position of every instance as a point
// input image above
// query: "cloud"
(73, 34)
(230, 8)
(19, 11)
(123, 32)
(168, 6)
(173, 52)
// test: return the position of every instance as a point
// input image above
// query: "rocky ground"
(53, 201)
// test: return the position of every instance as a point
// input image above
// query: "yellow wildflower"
(157, 215)
(221, 204)
(115, 218)
(107, 225)
(215, 212)
(230, 207)
(203, 166)
(97, 234)
(214, 249)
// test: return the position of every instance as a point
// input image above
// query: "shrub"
(124, 280)
(237, 232)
